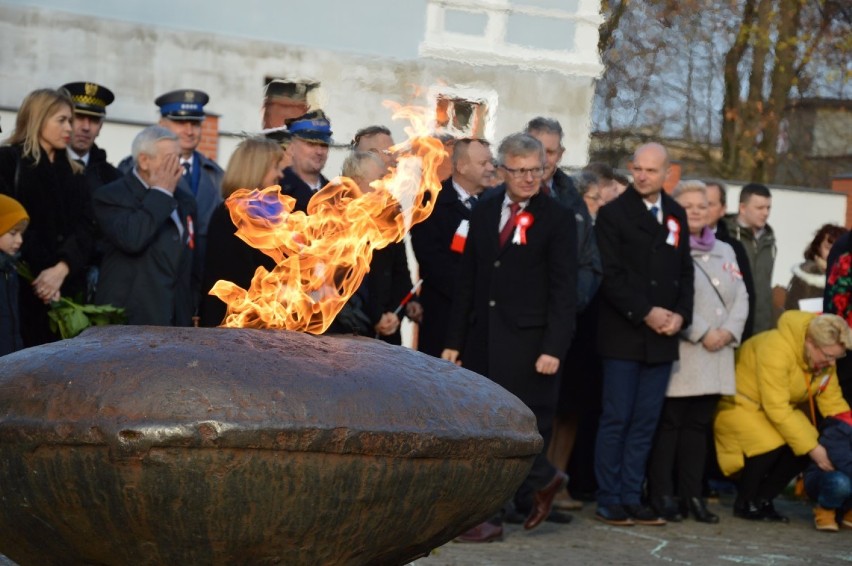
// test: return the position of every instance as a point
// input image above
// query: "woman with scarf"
(705, 370)
(36, 171)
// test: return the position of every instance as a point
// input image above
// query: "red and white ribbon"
(674, 231)
(522, 221)
(460, 237)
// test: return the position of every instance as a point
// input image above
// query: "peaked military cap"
(184, 104)
(90, 98)
(312, 127)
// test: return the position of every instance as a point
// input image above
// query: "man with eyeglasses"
(439, 240)
(646, 298)
(513, 311)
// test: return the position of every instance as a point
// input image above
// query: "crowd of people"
(639, 327)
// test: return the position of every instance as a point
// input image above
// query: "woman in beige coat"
(762, 432)
(705, 369)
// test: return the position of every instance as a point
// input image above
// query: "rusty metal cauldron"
(143, 445)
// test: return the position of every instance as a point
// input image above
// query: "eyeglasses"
(536, 172)
(831, 357)
(596, 198)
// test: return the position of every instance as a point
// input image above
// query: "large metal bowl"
(143, 445)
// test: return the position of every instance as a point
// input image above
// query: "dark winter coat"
(230, 259)
(640, 271)
(439, 266)
(514, 303)
(10, 319)
(588, 257)
(147, 265)
(61, 228)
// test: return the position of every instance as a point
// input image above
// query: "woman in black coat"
(36, 171)
(256, 163)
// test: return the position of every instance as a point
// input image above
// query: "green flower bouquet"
(69, 318)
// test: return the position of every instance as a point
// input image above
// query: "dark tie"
(545, 189)
(81, 162)
(506, 232)
(186, 167)
(470, 202)
(654, 210)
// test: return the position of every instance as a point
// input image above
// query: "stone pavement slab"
(587, 541)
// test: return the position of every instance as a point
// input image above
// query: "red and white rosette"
(522, 221)
(674, 231)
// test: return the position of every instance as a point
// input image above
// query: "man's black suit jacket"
(514, 303)
(641, 270)
(439, 266)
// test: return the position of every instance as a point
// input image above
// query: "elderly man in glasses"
(514, 306)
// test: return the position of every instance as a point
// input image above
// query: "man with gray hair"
(147, 223)
(513, 310)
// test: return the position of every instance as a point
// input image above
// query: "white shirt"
(73, 155)
(505, 212)
(464, 196)
(658, 204)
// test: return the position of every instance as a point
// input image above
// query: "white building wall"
(139, 61)
(795, 217)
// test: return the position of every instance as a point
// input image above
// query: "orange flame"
(322, 256)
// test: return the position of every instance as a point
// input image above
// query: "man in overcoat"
(647, 291)
(439, 241)
(515, 302)
(145, 218)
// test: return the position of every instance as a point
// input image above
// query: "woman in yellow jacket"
(764, 431)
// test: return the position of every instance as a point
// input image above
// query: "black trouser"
(542, 471)
(764, 476)
(680, 446)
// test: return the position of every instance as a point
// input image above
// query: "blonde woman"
(761, 431)
(257, 163)
(36, 171)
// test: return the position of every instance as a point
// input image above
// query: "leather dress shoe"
(769, 512)
(483, 532)
(698, 509)
(543, 500)
(747, 510)
(644, 515)
(668, 508)
(614, 515)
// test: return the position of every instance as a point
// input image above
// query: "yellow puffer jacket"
(772, 379)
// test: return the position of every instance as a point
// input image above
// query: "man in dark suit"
(514, 305)
(310, 137)
(559, 185)
(90, 102)
(145, 218)
(647, 293)
(439, 240)
(182, 113)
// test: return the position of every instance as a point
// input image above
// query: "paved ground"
(732, 541)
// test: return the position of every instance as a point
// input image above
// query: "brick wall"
(209, 145)
(843, 184)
